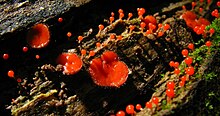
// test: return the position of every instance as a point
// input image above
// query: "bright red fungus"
(188, 60)
(11, 73)
(138, 107)
(150, 19)
(170, 85)
(25, 49)
(170, 93)
(120, 113)
(108, 70)
(149, 105)
(185, 52)
(191, 46)
(38, 36)
(190, 70)
(155, 100)
(5, 56)
(71, 63)
(130, 109)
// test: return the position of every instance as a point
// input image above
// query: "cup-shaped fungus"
(38, 36)
(71, 63)
(108, 70)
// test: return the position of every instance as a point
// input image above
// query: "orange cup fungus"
(192, 21)
(71, 63)
(38, 36)
(108, 70)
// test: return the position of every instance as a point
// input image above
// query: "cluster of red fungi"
(37, 37)
(198, 25)
(108, 70)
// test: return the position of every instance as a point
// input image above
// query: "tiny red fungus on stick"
(149, 105)
(185, 52)
(69, 34)
(170, 85)
(188, 60)
(11, 73)
(181, 83)
(130, 109)
(155, 100)
(38, 36)
(5, 56)
(60, 19)
(176, 64)
(170, 93)
(177, 71)
(190, 70)
(138, 107)
(108, 70)
(25, 49)
(71, 63)
(191, 46)
(171, 63)
(208, 43)
(120, 113)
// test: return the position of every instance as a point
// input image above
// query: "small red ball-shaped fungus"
(211, 30)
(185, 52)
(155, 100)
(181, 83)
(130, 109)
(170, 85)
(191, 46)
(5, 56)
(149, 105)
(25, 49)
(218, 3)
(176, 65)
(208, 43)
(120, 113)
(38, 36)
(183, 78)
(170, 93)
(138, 106)
(190, 70)
(69, 34)
(177, 71)
(60, 19)
(172, 63)
(71, 63)
(108, 70)
(188, 60)
(11, 73)
(37, 56)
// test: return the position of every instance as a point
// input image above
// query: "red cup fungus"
(108, 70)
(38, 36)
(71, 63)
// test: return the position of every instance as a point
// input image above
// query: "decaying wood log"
(20, 15)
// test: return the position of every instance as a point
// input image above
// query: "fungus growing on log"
(38, 36)
(108, 70)
(192, 21)
(71, 63)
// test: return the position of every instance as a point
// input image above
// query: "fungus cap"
(71, 63)
(108, 70)
(38, 36)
